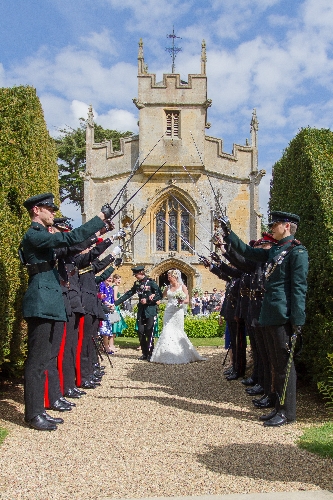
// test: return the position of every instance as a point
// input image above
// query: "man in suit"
(43, 304)
(149, 294)
(283, 307)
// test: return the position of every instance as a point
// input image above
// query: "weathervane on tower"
(173, 51)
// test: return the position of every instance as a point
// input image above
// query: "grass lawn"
(318, 440)
(3, 434)
(134, 341)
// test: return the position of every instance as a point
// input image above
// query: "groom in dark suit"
(149, 294)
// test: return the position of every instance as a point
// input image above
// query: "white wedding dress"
(173, 346)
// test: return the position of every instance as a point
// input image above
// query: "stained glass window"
(173, 226)
(173, 234)
(185, 229)
(160, 231)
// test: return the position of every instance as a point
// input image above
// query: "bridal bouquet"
(180, 297)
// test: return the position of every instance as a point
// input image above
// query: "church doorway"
(163, 279)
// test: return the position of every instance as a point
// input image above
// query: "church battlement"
(197, 179)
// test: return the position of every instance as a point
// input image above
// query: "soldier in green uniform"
(43, 304)
(283, 308)
(149, 294)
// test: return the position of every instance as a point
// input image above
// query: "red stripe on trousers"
(46, 390)
(78, 352)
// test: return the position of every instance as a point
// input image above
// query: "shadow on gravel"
(283, 463)
(205, 381)
(8, 409)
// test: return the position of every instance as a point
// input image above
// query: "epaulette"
(36, 228)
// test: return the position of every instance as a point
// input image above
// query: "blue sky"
(272, 55)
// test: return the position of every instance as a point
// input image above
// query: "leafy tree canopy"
(71, 146)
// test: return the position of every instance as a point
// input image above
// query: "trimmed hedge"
(195, 326)
(28, 166)
(303, 184)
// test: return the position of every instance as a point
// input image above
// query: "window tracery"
(171, 213)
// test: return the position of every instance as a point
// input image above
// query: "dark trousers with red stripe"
(69, 357)
(53, 390)
(40, 339)
(87, 351)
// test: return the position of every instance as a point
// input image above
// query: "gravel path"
(154, 430)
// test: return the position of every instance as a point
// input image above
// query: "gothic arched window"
(172, 222)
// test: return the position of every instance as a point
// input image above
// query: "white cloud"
(151, 16)
(79, 110)
(101, 42)
(77, 74)
(118, 119)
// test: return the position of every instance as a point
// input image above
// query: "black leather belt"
(39, 267)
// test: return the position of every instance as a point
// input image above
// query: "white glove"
(116, 251)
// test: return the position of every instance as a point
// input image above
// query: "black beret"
(62, 223)
(137, 269)
(40, 199)
(277, 216)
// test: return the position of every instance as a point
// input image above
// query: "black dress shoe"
(55, 420)
(99, 373)
(248, 381)
(64, 400)
(79, 391)
(72, 394)
(233, 376)
(264, 403)
(95, 381)
(227, 371)
(60, 406)
(88, 385)
(276, 421)
(258, 400)
(253, 391)
(40, 423)
(143, 358)
(268, 416)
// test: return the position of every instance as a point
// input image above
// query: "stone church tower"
(172, 123)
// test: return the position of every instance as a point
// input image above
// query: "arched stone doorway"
(163, 279)
(159, 272)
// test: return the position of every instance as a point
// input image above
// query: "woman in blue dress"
(106, 293)
(118, 327)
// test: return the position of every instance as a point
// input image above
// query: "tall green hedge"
(28, 166)
(303, 184)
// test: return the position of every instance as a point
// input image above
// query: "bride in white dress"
(173, 346)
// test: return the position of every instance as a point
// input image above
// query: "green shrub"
(195, 326)
(303, 184)
(28, 165)
(326, 389)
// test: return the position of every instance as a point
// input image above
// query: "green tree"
(303, 184)
(71, 146)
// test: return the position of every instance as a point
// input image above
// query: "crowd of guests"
(206, 303)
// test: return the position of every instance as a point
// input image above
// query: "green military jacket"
(144, 289)
(43, 298)
(285, 282)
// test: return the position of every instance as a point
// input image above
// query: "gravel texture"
(155, 430)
